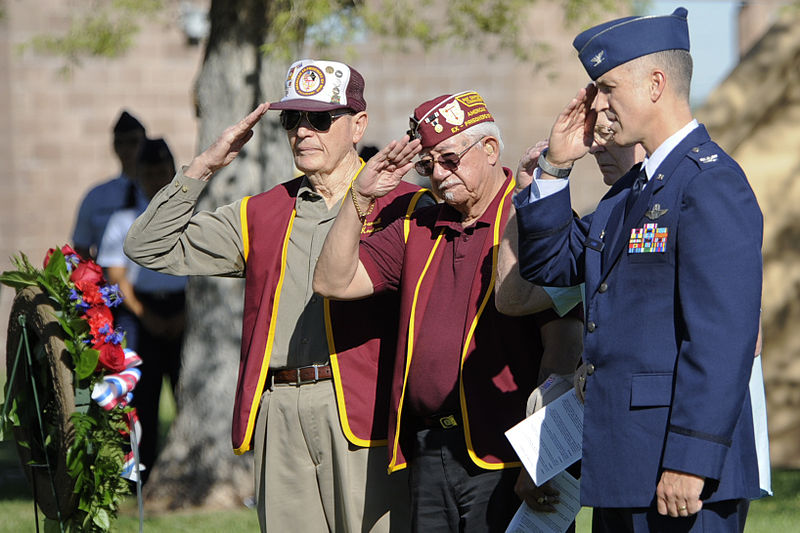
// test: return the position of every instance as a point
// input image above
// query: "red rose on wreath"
(87, 272)
(66, 250)
(111, 356)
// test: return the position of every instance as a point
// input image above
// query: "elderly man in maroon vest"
(463, 371)
(313, 383)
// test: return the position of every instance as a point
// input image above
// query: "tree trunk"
(197, 466)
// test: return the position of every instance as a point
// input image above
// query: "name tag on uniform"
(648, 239)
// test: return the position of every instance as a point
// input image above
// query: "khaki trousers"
(309, 478)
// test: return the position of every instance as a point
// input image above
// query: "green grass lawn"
(780, 513)
(777, 514)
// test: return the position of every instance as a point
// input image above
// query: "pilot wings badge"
(655, 212)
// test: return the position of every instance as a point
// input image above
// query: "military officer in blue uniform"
(671, 259)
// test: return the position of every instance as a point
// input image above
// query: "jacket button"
(185, 189)
(603, 287)
(591, 326)
(589, 369)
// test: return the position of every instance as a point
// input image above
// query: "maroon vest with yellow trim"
(361, 346)
(500, 354)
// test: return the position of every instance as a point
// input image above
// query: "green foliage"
(103, 29)
(488, 25)
(107, 29)
(95, 459)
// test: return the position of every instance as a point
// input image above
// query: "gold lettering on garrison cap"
(459, 111)
(470, 99)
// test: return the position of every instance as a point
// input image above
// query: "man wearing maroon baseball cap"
(312, 397)
(463, 371)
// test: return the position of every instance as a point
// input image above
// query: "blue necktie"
(636, 190)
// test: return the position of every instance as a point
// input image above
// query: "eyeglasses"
(319, 120)
(603, 134)
(448, 161)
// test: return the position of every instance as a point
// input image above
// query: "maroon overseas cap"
(447, 115)
(313, 85)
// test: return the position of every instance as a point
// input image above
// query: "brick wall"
(56, 137)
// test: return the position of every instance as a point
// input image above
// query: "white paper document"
(528, 521)
(550, 439)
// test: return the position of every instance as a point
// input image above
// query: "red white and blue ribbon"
(117, 389)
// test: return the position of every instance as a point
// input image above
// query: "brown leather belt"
(301, 375)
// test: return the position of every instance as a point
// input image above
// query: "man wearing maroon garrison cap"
(312, 397)
(463, 371)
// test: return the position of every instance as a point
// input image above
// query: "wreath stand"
(38, 370)
(36, 364)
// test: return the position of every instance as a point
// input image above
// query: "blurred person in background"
(117, 193)
(153, 310)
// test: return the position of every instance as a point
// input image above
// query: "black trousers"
(450, 493)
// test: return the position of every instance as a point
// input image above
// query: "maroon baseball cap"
(313, 85)
(447, 115)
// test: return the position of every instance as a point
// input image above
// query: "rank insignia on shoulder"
(648, 239)
(709, 158)
(655, 212)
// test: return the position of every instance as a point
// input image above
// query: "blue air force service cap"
(613, 43)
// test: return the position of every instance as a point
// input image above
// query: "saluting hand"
(573, 131)
(226, 147)
(384, 171)
(527, 165)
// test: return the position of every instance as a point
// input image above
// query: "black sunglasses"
(448, 161)
(319, 120)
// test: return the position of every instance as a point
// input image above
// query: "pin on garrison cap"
(315, 85)
(447, 115)
(613, 43)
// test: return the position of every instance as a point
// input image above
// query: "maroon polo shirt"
(432, 385)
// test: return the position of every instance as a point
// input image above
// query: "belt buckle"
(448, 422)
(300, 381)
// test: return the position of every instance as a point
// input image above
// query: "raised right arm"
(168, 238)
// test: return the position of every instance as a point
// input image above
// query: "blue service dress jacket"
(673, 295)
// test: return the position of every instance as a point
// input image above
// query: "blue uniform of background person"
(670, 334)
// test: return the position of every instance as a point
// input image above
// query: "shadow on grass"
(777, 513)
